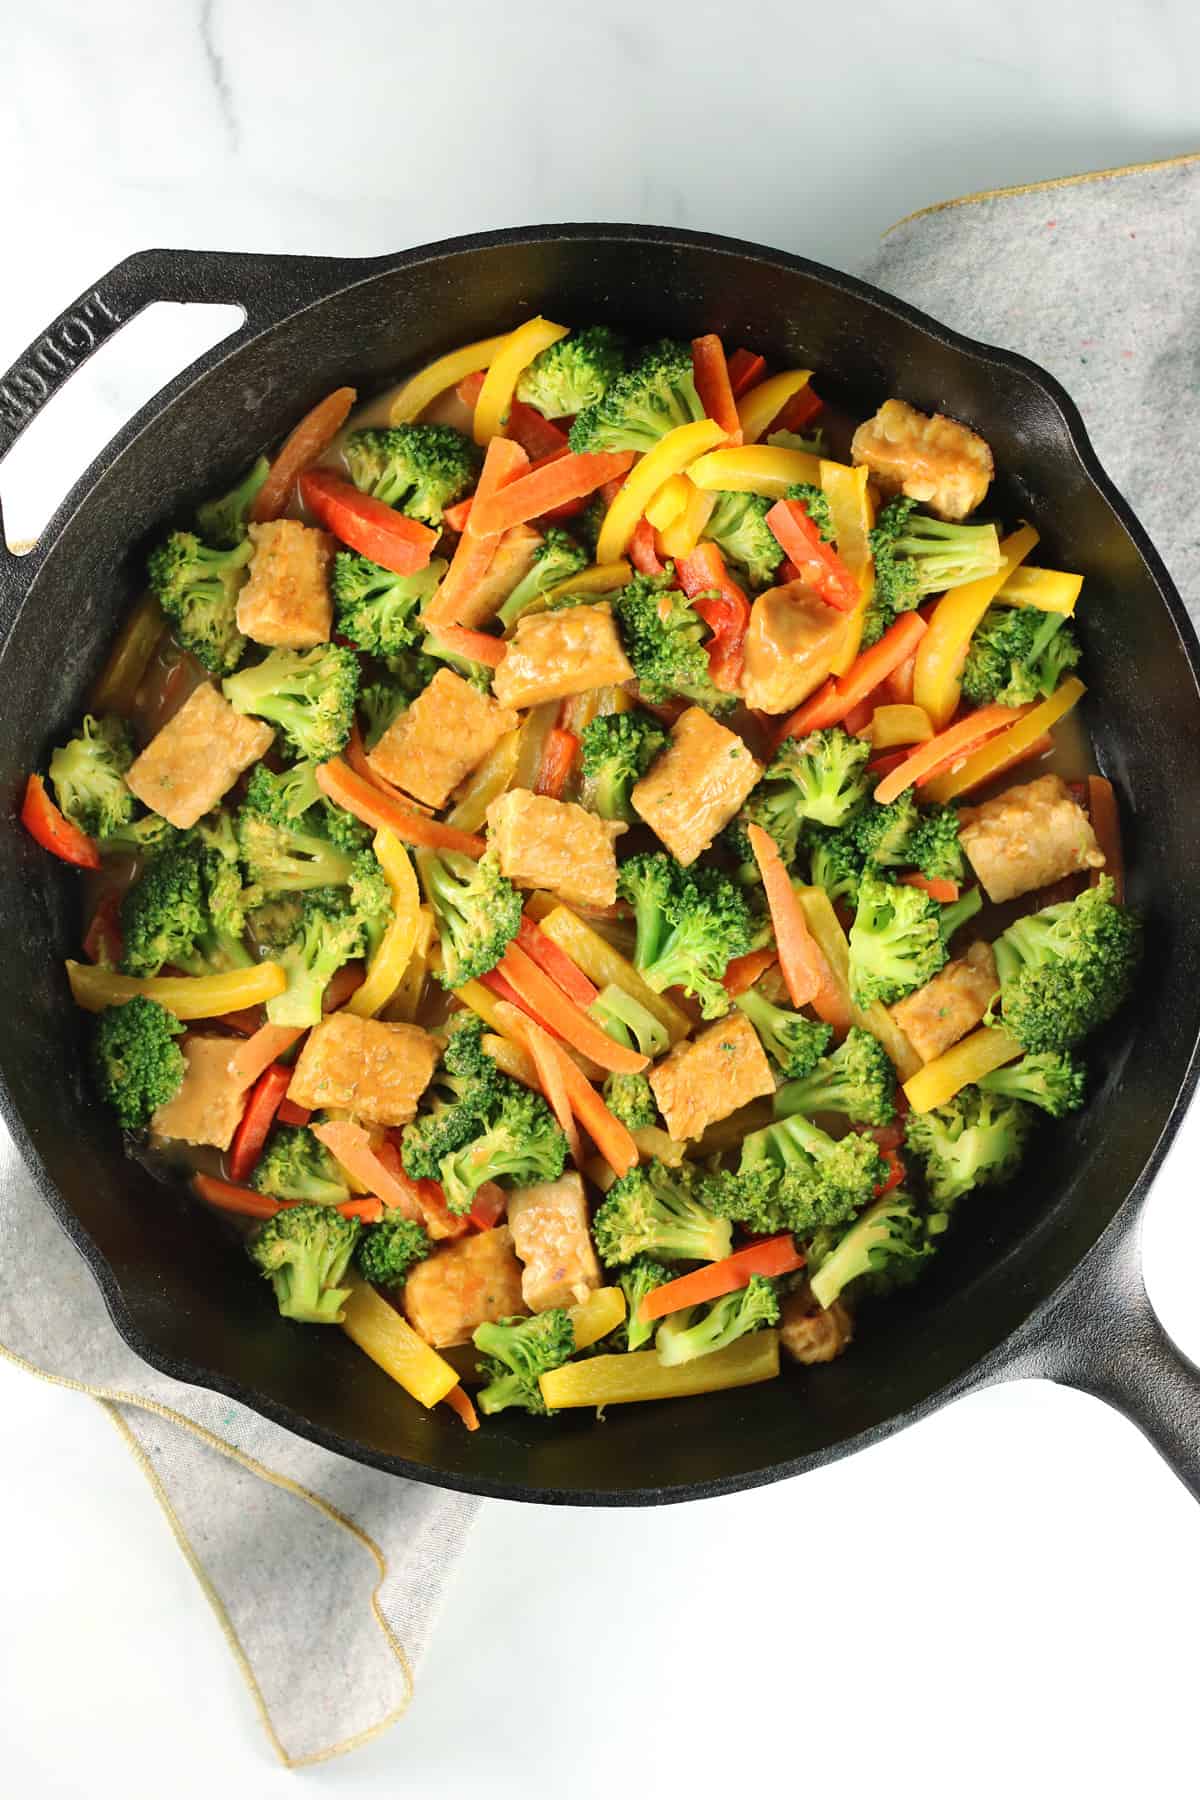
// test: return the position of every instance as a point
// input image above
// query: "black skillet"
(1044, 1279)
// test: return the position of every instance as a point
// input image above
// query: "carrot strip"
(338, 782)
(895, 1175)
(249, 1060)
(957, 740)
(368, 1209)
(612, 1139)
(314, 434)
(548, 1063)
(746, 368)
(711, 375)
(350, 1145)
(551, 1007)
(742, 973)
(937, 887)
(232, 1199)
(800, 957)
(459, 1402)
(455, 517)
(1106, 823)
(477, 646)
(771, 1256)
(356, 756)
(840, 694)
(503, 462)
(558, 759)
(489, 1204)
(557, 964)
(566, 478)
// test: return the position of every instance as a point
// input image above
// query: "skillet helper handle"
(1102, 1335)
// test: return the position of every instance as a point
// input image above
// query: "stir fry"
(579, 864)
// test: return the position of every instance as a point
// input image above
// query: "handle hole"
(80, 418)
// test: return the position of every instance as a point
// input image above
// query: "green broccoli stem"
(959, 911)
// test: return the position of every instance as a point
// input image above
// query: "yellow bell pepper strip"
(601, 578)
(972, 1057)
(396, 946)
(767, 469)
(504, 371)
(595, 1317)
(853, 516)
(1002, 749)
(652, 1143)
(421, 389)
(118, 681)
(602, 965)
(388, 1339)
(512, 1057)
(489, 781)
(893, 725)
(683, 534)
(670, 456)
(1050, 590)
(187, 996)
(823, 923)
(536, 726)
(937, 676)
(405, 1003)
(669, 502)
(638, 1374)
(757, 408)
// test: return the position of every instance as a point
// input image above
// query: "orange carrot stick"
(557, 964)
(472, 559)
(711, 374)
(368, 1209)
(558, 759)
(1106, 823)
(800, 956)
(742, 973)
(457, 1399)
(340, 784)
(955, 741)
(937, 887)
(772, 1256)
(350, 1145)
(476, 646)
(549, 1070)
(251, 1059)
(611, 1137)
(566, 478)
(840, 694)
(552, 1008)
(313, 435)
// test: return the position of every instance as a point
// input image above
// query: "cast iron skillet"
(1044, 1280)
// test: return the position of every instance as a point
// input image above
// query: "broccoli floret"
(477, 909)
(642, 405)
(816, 504)
(88, 776)
(516, 1140)
(857, 1080)
(1065, 970)
(916, 555)
(574, 373)
(556, 559)
(222, 522)
(617, 749)
(288, 852)
(883, 834)
(147, 837)
(822, 777)
(306, 1251)
(792, 1176)
(167, 916)
(796, 1043)
(974, 1140)
(630, 1098)
(656, 1211)
(518, 1352)
(308, 694)
(690, 925)
(699, 1330)
(1053, 1080)
(331, 932)
(377, 609)
(465, 1089)
(371, 898)
(421, 469)
(387, 1251)
(933, 845)
(274, 923)
(738, 524)
(896, 941)
(197, 589)
(886, 1247)
(637, 1279)
(835, 861)
(664, 639)
(1018, 655)
(296, 1166)
(380, 703)
(627, 1020)
(137, 1064)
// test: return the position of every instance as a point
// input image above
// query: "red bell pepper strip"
(720, 602)
(643, 549)
(819, 564)
(711, 375)
(929, 758)
(257, 1120)
(368, 526)
(858, 718)
(558, 759)
(803, 407)
(770, 1256)
(102, 942)
(460, 1402)
(489, 1206)
(338, 782)
(1106, 823)
(456, 516)
(745, 368)
(421, 1199)
(895, 1173)
(890, 759)
(558, 965)
(291, 1114)
(538, 437)
(842, 693)
(53, 830)
(742, 973)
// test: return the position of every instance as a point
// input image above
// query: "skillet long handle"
(1100, 1334)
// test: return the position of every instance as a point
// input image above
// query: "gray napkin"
(1093, 277)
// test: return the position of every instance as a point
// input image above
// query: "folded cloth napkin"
(1070, 273)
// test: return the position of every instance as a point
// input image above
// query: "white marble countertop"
(1002, 1598)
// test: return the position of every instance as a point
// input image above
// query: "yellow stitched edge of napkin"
(112, 1398)
(1037, 187)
